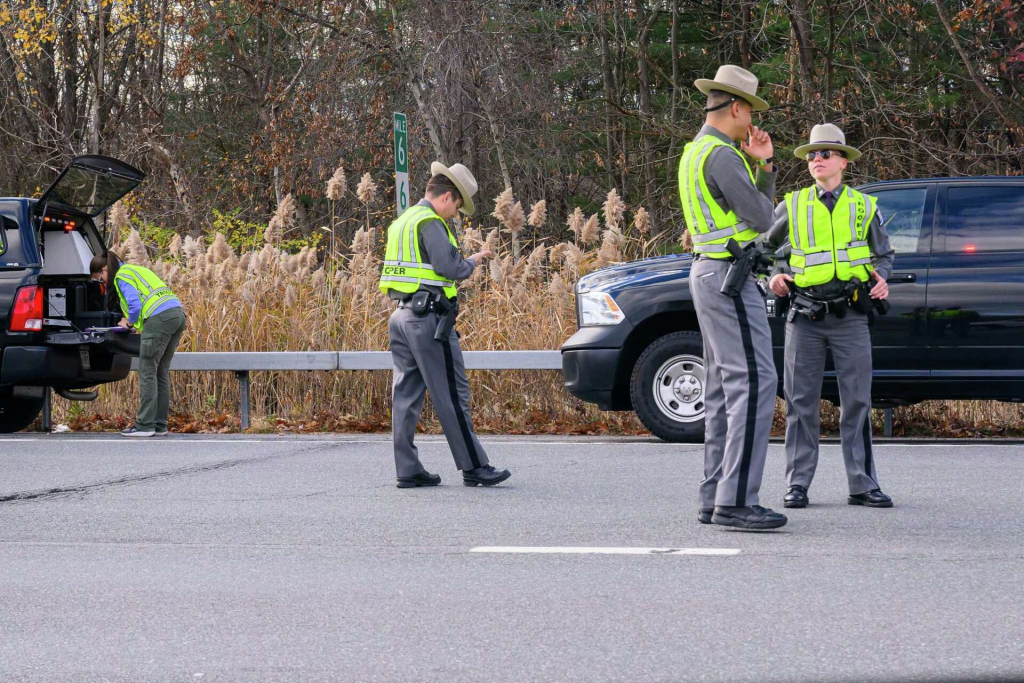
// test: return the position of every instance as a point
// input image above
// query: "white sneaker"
(163, 433)
(132, 431)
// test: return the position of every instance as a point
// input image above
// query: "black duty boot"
(871, 499)
(484, 476)
(749, 517)
(421, 479)
(704, 515)
(796, 497)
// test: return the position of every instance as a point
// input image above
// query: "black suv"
(955, 331)
(55, 331)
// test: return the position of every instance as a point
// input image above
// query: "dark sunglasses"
(825, 154)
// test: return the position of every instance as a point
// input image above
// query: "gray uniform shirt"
(446, 260)
(730, 186)
(878, 242)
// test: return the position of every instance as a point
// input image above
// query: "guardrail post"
(887, 413)
(47, 420)
(244, 396)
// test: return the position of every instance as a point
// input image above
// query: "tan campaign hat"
(827, 136)
(735, 81)
(463, 180)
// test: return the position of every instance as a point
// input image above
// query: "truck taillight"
(27, 315)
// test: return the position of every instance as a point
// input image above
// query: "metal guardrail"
(243, 362)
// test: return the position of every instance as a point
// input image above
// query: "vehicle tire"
(668, 386)
(17, 413)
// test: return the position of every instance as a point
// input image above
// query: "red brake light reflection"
(970, 248)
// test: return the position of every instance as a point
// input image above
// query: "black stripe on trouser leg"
(752, 399)
(866, 436)
(453, 393)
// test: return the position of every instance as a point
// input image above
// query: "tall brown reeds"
(266, 299)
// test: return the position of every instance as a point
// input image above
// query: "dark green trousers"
(160, 337)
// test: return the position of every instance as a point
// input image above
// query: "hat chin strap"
(723, 105)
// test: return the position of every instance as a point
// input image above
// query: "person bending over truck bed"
(150, 307)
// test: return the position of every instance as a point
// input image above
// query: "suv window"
(902, 213)
(985, 218)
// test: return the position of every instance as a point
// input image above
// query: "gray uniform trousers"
(740, 389)
(422, 364)
(849, 338)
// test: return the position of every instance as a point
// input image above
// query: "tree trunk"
(96, 126)
(179, 178)
(609, 87)
(499, 146)
(800, 18)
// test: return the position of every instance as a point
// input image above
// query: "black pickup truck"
(53, 329)
(955, 331)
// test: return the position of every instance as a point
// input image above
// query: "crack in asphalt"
(62, 491)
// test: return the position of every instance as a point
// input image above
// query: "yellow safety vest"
(829, 245)
(710, 227)
(404, 270)
(152, 291)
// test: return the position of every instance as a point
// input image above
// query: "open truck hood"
(91, 184)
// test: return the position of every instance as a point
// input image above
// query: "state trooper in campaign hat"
(421, 268)
(723, 200)
(838, 263)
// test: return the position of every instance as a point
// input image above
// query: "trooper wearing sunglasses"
(839, 261)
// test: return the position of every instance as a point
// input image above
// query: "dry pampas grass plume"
(591, 230)
(337, 185)
(282, 221)
(611, 248)
(614, 209)
(575, 222)
(367, 189)
(135, 250)
(174, 248)
(538, 214)
(220, 250)
(642, 221)
(118, 221)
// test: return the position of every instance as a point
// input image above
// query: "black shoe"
(750, 517)
(796, 497)
(484, 476)
(871, 499)
(704, 515)
(421, 479)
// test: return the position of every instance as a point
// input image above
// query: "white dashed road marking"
(567, 550)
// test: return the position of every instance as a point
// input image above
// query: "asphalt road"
(296, 559)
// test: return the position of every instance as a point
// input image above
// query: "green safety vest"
(710, 227)
(152, 291)
(829, 245)
(404, 270)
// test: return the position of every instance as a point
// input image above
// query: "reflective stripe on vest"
(829, 245)
(710, 227)
(153, 293)
(404, 270)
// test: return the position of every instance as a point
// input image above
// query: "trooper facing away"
(839, 261)
(722, 200)
(421, 268)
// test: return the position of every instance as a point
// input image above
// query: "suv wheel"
(17, 413)
(668, 386)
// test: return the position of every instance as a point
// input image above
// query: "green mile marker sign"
(401, 163)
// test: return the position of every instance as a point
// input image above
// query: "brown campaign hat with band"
(463, 180)
(735, 81)
(827, 136)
